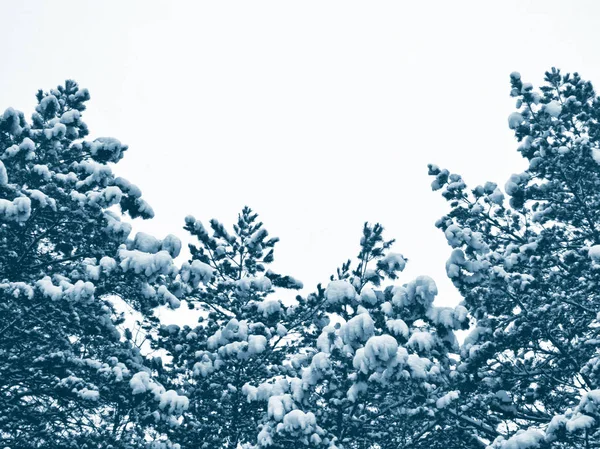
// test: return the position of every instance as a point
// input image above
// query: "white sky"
(320, 115)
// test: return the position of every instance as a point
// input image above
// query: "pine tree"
(69, 374)
(377, 376)
(528, 269)
(243, 335)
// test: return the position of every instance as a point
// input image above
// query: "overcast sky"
(319, 115)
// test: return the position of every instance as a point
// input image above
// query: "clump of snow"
(10, 120)
(146, 243)
(96, 173)
(10, 152)
(590, 401)
(596, 155)
(27, 145)
(225, 339)
(108, 264)
(131, 189)
(580, 422)
(557, 423)
(264, 437)
(514, 120)
(70, 117)
(58, 131)
(18, 210)
(256, 344)
(392, 262)
(196, 225)
(297, 420)
(340, 292)
(204, 367)
(168, 297)
(48, 289)
(107, 149)
(269, 306)
(114, 226)
(594, 253)
(279, 405)
(48, 105)
(149, 264)
(170, 401)
(418, 366)
(258, 283)
(112, 195)
(88, 395)
(445, 400)
(368, 296)
(328, 339)
(378, 349)
(172, 245)
(18, 289)
(196, 272)
(43, 171)
(421, 291)
(143, 209)
(387, 308)
(456, 236)
(398, 327)
(496, 197)
(512, 185)
(358, 329)
(319, 365)
(141, 382)
(80, 291)
(523, 439)
(553, 108)
(173, 402)
(42, 199)
(355, 391)
(450, 318)
(421, 341)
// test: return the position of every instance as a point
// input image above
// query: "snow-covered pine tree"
(529, 270)
(378, 374)
(68, 378)
(244, 333)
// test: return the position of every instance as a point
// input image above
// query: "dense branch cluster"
(365, 361)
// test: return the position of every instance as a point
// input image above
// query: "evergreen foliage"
(65, 367)
(527, 267)
(368, 361)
